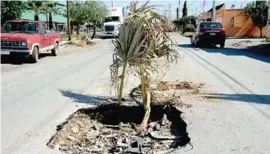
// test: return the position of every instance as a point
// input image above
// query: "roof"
(209, 22)
(240, 9)
(21, 20)
(217, 7)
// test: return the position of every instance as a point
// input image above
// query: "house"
(235, 22)
(59, 21)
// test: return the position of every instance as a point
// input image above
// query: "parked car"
(28, 38)
(211, 33)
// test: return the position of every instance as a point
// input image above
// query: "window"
(211, 25)
(20, 27)
(108, 19)
(232, 22)
(42, 29)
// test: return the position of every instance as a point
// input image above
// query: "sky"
(194, 7)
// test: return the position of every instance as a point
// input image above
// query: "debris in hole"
(110, 129)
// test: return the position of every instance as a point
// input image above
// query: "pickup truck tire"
(35, 55)
(55, 49)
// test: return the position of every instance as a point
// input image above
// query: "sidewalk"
(257, 46)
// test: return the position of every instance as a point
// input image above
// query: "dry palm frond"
(158, 43)
(142, 40)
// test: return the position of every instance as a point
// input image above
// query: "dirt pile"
(112, 129)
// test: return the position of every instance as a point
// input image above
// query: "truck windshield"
(20, 27)
(109, 19)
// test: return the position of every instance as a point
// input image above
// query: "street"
(32, 102)
(241, 123)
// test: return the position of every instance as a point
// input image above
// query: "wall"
(236, 23)
(29, 15)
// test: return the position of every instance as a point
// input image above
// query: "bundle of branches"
(142, 40)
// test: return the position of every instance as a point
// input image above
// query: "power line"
(165, 13)
(188, 6)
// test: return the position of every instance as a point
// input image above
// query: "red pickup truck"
(28, 38)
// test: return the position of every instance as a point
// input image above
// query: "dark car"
(210, 33)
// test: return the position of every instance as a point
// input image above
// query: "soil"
(180, 93)
(111, 128)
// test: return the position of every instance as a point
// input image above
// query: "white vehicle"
(113, 21)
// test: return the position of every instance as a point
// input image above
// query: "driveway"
(31, 100)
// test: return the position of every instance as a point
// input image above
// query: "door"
(44, 40)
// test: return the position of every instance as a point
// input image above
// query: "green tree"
(11, 10)
(257, 11)
(184, 21)
(50, 7)
(37, 7)
(95, 11)
(77, 15)
(184, 10)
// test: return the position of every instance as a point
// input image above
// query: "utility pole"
(169, 10)
(111, 3)
(177, 13)
(203, 6)
(68, 22)
(214, 11)
(165, 13)
(178, 10)
(268, 21)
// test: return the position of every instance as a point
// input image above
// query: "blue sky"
(194, 6)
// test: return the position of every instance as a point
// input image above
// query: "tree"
(257, 11)
(142, 39)
(95, 11)
(37, 7)
(77, 15)
(184, 21)
(11, 10)
(184, 10)
(50, 7)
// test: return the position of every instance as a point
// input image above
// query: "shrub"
(80, 36)
(181, 23)
(188, 34)
(188, 28)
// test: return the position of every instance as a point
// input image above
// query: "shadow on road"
(248, 98)
(248, 52)
(19, 60)
(91, 99)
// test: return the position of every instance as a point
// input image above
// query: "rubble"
(106, 129)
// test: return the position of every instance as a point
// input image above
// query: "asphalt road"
(240, 123)
(32, 103)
